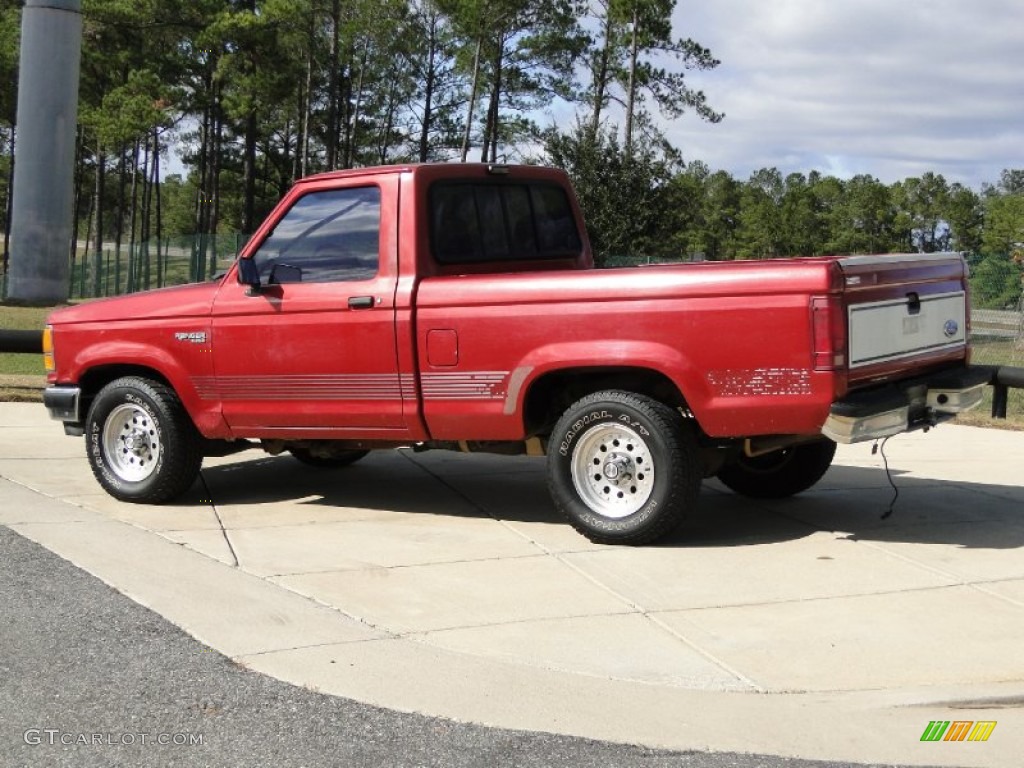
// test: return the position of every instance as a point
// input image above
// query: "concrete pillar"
(51, 44)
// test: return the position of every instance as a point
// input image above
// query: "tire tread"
(807, 465)
(686, 475)
(182, 446)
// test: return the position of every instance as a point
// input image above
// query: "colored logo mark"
(958, 730)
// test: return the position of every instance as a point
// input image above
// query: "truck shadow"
(859, 504)
(849, 502)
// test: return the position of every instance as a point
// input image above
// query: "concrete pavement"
(446, 584)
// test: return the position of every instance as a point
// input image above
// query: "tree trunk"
(85, 253)
(601, 77)
(205, 133)
(249, 160)
(98, 212)
(76, 208)
(119, 224)
(384, 142)
(353, 131)
(495, 106)
(159, 209)
(306, 107)
(213, 198)
(334, 60)
(9, 208)
(631, 88)
(133, 251)
(472, 97)
(147, 196)
(428, 88)
(249, 174)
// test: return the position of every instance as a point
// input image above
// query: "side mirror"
(249, 275)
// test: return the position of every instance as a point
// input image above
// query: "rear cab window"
(481, 222)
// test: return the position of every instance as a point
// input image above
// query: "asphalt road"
(90, 678)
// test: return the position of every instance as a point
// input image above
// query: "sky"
(890, 88)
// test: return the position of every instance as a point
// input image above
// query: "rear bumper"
(906, 405)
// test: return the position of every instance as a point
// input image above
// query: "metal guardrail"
(29, 342)
(1003, 379)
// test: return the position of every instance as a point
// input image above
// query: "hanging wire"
(880, 448)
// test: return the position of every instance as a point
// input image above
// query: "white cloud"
(885, 87)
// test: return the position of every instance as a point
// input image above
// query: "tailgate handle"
(913, 303)
(360, 302)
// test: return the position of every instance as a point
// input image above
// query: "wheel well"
(97, 378)
(550, 395)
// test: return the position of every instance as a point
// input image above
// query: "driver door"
(314, 347)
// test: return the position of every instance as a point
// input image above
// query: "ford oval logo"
(951, 328)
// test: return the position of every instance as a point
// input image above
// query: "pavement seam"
(317, 601)
(980, 587)
(10, 523)
(422, 633)
(820, 598)
(311, 646)
(648, 615)
(410, 457)
(401, 566)
(208, 496)
(630, 604)
(959, 580)
(36, 490)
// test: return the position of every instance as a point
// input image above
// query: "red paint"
(453, 351)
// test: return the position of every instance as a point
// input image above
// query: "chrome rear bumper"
(905, 406)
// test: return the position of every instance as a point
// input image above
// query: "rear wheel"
(140, 442)
(781, 473)
(623, 468)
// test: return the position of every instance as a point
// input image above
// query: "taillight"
(828, 329)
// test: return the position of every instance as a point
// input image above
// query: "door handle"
(913, 303)
(361, 302)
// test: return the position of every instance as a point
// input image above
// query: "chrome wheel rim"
(131, 443)
(613, 470)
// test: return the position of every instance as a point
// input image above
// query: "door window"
(327, 236)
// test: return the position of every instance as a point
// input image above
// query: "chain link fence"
(152, 264)
(997, 338)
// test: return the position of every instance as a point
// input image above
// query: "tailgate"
(904, 311)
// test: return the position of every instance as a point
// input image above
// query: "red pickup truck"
(456, 306)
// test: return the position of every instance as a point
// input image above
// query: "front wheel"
(779, 474)
(140, 442)
(623, 468)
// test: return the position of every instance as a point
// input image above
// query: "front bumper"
(63, 403)
(905, 406)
